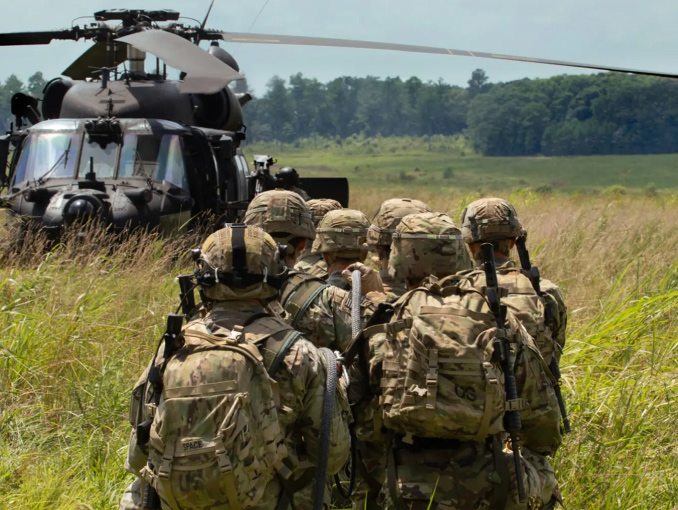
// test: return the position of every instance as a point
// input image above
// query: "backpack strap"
(299, 293)
(291, 338)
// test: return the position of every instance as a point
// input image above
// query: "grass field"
(77, 326)
(448, 165)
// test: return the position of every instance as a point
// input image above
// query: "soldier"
(431, 374)
(495, 220)
(422, 245)
(384, 222)
(236, 419)
(341, 240)
(285, 216)
(309, 262)
(320, 310)
(288, 178)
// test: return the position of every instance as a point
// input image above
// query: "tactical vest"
(215, 435)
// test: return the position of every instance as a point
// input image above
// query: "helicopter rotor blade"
(348, 43)
(206, 74)
(32, 38)
(97, 56)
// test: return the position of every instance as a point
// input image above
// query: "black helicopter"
(134, 148)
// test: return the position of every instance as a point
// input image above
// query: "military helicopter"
(137, 149)
(133, 148)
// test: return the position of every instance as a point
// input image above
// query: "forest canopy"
(565, 115)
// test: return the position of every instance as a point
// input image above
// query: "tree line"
(604, 113)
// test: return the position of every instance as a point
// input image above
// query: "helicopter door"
(201, 172)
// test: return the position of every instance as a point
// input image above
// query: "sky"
(614, 32)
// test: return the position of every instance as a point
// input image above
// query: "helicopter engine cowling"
(142, 99)
(53, 97)
(218, 111)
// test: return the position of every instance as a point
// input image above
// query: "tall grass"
(79, 320)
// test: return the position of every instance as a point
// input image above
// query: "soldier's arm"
(137, 456)
(306, 387)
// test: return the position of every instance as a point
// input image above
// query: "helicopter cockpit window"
(103, 152)
(47, 155)
(154, 157)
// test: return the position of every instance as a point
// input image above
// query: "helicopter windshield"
(103, 152)
(43, 153)
(157, 157)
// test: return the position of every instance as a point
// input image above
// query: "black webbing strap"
(500, 492)
(239, 248)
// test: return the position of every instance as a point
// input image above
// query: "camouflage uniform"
(379, 237)
(421, 244)
(322, 308)
(309, 262)
(321, 311)
(299, 389)
(494, 219)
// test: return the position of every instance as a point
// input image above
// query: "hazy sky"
(616, 32)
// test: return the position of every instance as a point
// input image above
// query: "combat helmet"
(342, 233)
(320, 207)
(287, 177)
(427, 243)
(387, 218)
(490, 219)
(239, 262)
(282, 214)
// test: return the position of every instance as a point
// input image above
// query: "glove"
(370, 281)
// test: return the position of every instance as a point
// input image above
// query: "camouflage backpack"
(441, 378)
(522, 301)
(215, 434)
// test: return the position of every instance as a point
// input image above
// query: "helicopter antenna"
(257, 16)
(204, 22)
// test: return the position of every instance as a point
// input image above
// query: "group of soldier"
(269, 395)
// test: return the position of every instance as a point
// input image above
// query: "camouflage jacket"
(521, 300)
(301, 387)
(320, 310)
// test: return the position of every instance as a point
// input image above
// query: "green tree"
(478, 84)
(36, 84)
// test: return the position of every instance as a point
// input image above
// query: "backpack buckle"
(224, 462)
(518, 404)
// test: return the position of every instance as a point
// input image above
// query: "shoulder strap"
(291, 338)
(303, 290)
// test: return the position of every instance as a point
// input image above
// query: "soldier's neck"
(499, 259)
(339, 265)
